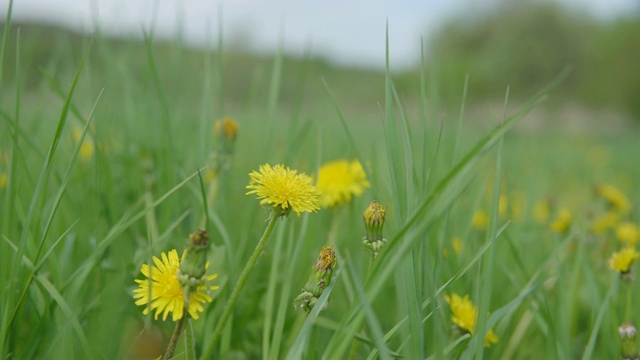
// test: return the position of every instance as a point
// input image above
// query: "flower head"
(86, 148)
(614, 197)
(320, 278)
(162, 291)
(480, 220)
(4, 180)
(463, 315)
(622, 260)
(541, 211)
(339, 180)
(373, 217)
(284, 188)
(628, 233)
(562, 221)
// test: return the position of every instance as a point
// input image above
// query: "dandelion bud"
(628, 335)
(226, 130)
(318, 281)
(194, 260)
(374, 222)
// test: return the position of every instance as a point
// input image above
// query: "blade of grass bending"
(57, 296)
(9, 315)
(588, 351)
(124, 223)
(300, 344)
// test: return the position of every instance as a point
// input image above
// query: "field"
(110, 156)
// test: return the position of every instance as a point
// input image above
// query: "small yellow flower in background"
(518, 204)
(463, 315)
(622, 260)
(480, 220)
(562, 221)
(614, 197)
(339, 180)
(226, 127)
(162, 292)
(628, 233)
(87, 148)
(4, 180)
(606, 221)
(542, 211)
(456, 244)
(284, 188)
(503, 206)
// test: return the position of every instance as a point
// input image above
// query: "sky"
(344, 32)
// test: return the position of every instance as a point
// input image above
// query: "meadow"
(113, 152)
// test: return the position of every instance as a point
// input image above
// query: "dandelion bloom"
(284, 188)
(463, 315)
(86, 148)
(541, 211)
(628, 233)
(162, 292)
(614, 197)
(622, 260)
(480, 220)
(4, 180)
(562, 222)
(339, 180)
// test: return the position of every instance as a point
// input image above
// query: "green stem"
(241, 282)
(627, 310)
(354, 345)
(189, 343)
(174, 338)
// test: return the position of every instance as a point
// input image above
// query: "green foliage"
(526, 43)
(77, 224)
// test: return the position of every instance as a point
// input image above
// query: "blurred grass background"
(156, 103)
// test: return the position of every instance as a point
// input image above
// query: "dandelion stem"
(174, 338)
(189, 343)
(241, 282)
(627, 310)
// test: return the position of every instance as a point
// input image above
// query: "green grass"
(75, 231)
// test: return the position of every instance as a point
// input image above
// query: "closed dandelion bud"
(374, 222)
(194, 260)
(318, 281)
(226, 130)
(628, 336)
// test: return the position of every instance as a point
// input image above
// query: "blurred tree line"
(525, 45)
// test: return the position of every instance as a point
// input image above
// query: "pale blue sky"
(347, 32)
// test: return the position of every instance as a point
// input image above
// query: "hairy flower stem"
(275, 214)
(189, 343)
(174, 338)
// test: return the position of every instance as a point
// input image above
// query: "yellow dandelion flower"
(463, 315)
(622, 260)
(628, 233)
(227, 127)
(456, 244)
(162, 292)
(86, 148)
(339, 180)
(284, 188)
(605, 222)
(480, 220)
(4, 180)
(541, 211)
(612, 195)
(562, 221)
